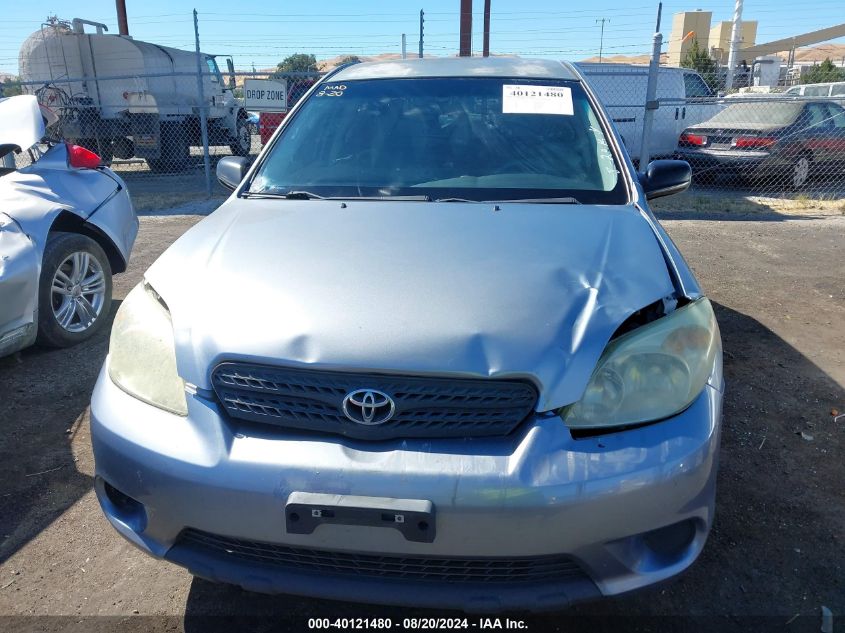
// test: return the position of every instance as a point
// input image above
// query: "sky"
(262, 33)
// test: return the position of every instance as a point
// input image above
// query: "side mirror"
(665, 178)
(231, 170)
(231, 66)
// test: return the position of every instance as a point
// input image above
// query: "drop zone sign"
(266, 95)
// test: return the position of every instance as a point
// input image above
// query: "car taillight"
(753, 142)
(695, 140)
(81, 158)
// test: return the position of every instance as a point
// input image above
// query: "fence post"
(651, 104)
(206, 159)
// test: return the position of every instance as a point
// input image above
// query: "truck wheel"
(74, 292)
(242, 143)
(123, 147)
(175, 150)
(101, 148)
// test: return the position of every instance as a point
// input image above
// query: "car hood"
(21, 123)
(531, 291)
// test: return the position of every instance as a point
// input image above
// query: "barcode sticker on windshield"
(536, 100)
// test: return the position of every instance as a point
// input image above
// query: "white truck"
(122, 97)
(683, 95)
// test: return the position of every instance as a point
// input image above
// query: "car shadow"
(768, 508)
(726, 204)
(45, 461)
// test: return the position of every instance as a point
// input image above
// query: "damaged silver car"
(66, 225)
(434, 350)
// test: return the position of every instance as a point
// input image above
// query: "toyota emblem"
(368, 406)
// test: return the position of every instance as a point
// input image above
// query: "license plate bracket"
(413, 518)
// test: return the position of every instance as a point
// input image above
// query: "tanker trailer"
(123, 97)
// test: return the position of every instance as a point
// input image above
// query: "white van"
(832, 89)
(684, 98)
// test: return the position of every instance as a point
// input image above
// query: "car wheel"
(74, 293)
(242, 143)
(800, 171)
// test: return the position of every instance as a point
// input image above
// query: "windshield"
(467, 138)
(751, 114)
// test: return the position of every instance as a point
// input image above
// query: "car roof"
(459, 67)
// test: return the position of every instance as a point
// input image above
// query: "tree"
(298, 63)
(699, 60)
(9, 88)
(823, 73)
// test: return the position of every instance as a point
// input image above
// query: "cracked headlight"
(142, 355)
(650, 373)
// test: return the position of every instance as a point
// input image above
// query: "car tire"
(174, 149)
(74, 291)
(241, 145)
(799, 175)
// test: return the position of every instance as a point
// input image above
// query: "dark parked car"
(780, 143)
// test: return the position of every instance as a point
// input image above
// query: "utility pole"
(601, 41)
(422, 20)
(486, 49)
(122, 23)
(465, 43)
(404, 48)
(736, 39)
(203, 112)
(651, 103)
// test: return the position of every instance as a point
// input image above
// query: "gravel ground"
(776, 550)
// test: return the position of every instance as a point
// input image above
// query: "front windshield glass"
(468, 138)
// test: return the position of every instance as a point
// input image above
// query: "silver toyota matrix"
(434, 350)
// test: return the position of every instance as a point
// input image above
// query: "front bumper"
(539, 493)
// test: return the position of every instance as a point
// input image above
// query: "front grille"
(465, 570)
(424, 407)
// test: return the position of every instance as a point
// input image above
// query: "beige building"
(719, 42)
(680, 40)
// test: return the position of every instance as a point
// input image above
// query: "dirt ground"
(777, 549)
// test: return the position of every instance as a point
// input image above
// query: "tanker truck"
(124, 98)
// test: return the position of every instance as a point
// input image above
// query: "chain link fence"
(784, 143)
(780, 142)
(149, 128)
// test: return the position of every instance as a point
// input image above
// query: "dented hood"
(532, 291)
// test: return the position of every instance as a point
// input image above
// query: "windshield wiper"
(289, 195)
(303, 195)
(396, 198)
(456, 200)
(564, 200)
(307, 195)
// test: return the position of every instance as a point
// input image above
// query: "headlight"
(651, 373)
(142, 356)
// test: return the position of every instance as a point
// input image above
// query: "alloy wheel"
(78, 291)
(800, 172)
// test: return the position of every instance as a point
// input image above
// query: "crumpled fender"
(20, 268)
